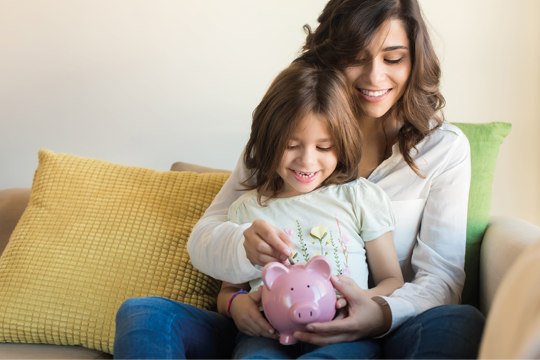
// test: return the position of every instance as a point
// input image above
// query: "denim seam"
(169, 348)
(419, 340)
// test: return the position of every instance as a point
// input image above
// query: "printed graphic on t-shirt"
(323, 243)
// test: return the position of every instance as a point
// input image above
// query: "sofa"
(504, 240)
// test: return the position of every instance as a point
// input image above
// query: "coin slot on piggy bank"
(296, 295)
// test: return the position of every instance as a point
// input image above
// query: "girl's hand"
(265, 243)
(247, 317)
(361, 317)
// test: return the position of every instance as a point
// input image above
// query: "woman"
(420, 161)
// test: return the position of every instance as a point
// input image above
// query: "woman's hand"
(265, 243)
(360, 318)
(247, 317)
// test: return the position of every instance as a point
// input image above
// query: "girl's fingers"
(265, 328)
(341, 303)
(285, 238)
(268, 240)
(342, 314)
(260, 253)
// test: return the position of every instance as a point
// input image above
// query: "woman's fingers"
(322, 339)
(350, 291)
(336, 326)
(265, 243)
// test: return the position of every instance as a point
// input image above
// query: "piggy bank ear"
(271, 272)
(321, 265)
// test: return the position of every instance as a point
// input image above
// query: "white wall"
(148, 83)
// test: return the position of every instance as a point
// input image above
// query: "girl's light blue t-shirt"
(333, 221)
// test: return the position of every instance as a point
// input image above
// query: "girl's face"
(309, 159)
(381, 74)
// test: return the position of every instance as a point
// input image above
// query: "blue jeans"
(163, 329)
(248, 347)
(444, 332)
(158, 328)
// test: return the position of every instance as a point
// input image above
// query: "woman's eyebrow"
(395, 47)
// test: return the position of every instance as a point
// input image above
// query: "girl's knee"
(138, 309)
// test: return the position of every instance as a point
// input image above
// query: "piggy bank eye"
(292, 289)
(308, 286)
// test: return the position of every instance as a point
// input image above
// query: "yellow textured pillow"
(95, 234)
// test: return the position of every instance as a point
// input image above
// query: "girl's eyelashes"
(393, 62)
(324, 149)
(320, 148)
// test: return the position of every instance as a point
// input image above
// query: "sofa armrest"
(13, 202)
(504, 241)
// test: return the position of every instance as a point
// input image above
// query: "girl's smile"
(304, 177)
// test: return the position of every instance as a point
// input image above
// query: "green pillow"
(485, 140)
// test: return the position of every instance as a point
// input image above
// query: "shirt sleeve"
(375, 211)
(216, 245)
(438, 257)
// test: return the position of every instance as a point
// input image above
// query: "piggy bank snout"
(304, 312)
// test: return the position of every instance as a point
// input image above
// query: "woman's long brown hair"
(346, 28)
(299, 91)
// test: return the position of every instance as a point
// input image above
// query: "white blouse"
(429, 235)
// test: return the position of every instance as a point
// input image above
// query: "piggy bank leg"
(287, 339)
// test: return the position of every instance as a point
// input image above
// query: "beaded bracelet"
(241, 291)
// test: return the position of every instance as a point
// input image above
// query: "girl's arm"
(383, 265)
(217, 247)
(225, 293)
(244, 310)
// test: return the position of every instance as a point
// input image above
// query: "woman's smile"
(382, 71)
(374, 95)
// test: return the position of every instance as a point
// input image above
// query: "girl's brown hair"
(346, 27)
(299, 91)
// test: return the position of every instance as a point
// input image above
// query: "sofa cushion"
(93, 235)
(485, 140)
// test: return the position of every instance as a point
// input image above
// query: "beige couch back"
(12, 205)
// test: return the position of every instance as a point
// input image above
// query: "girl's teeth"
(374, 93)
(304, 174)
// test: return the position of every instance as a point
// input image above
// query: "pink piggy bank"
(296, 295)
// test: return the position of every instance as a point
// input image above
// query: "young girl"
(304, 152)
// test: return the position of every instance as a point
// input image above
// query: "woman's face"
(382, 72)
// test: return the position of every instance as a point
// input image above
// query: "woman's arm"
(383, 265)
(221, 249)
(216, 244)
(439, 253)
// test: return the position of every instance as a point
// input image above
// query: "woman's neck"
(381, 129)
(379, 135)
